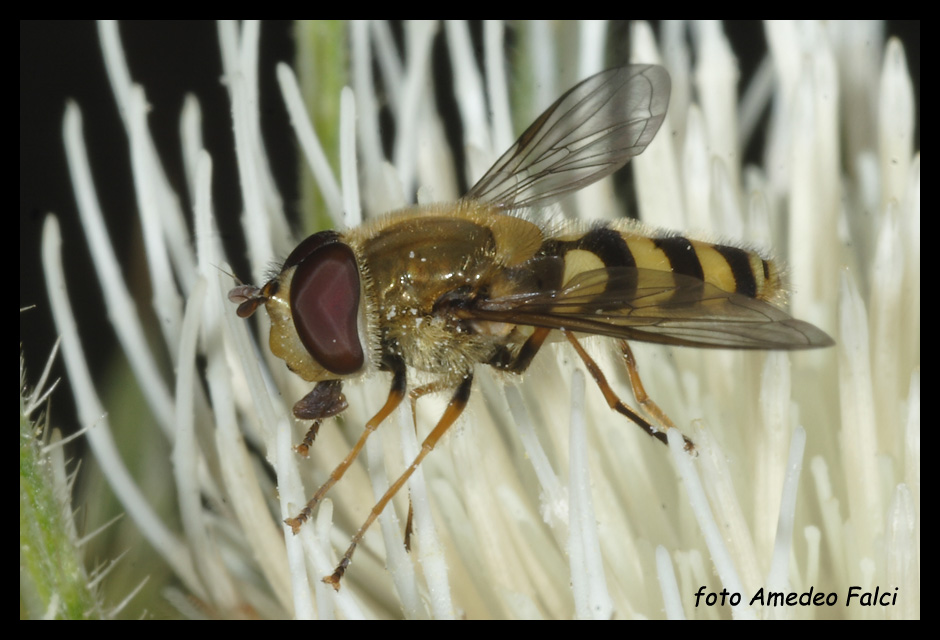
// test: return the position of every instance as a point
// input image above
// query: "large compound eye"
(324, 302)
(308, 246)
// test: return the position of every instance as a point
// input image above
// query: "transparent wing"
(654, 306)
(590, 132)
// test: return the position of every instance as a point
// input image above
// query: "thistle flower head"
(542, 502)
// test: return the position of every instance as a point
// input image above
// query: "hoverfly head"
(314, 306)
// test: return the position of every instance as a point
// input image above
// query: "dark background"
(61, 60)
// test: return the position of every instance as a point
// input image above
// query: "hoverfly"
(443, 288)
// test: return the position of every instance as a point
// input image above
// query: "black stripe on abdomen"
(608, 245)
(739, 261)
(681, 255)
(605, 243)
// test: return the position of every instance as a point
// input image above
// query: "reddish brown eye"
(324, 302)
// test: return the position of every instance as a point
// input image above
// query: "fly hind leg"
(504, 361)
(639, 392)
(615, 403)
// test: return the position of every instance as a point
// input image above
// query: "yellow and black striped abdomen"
(727, 267)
